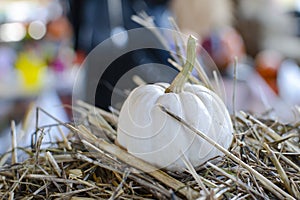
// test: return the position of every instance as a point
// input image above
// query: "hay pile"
(262, 163)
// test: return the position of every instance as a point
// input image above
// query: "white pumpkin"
(145, 131)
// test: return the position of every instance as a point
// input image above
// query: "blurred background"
(44, 42)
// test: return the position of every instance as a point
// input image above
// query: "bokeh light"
(12, 32)
(37, 30)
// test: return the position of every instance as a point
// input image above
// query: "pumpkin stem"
(177, 84)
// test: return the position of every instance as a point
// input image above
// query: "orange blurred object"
(267, 64)
(59, 29)
(79, 57)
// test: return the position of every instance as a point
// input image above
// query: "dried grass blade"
(108, 116)
(284, 139)
(61, 195)
(41, 188)
(82, 198)
(234, 92)
(115, 193)
(279, 168)
(100, 122)
(53, 163)
(193, 172)
(289, 162)
(138, 80)
(38, 145)
(148, 23)
(65, 140)
(11, 195)
(14, 144)
(51, 178)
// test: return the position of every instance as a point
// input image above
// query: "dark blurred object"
(96, 20)
(92, 22)
(296, 14)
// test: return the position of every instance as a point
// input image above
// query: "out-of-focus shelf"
(14, 88)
